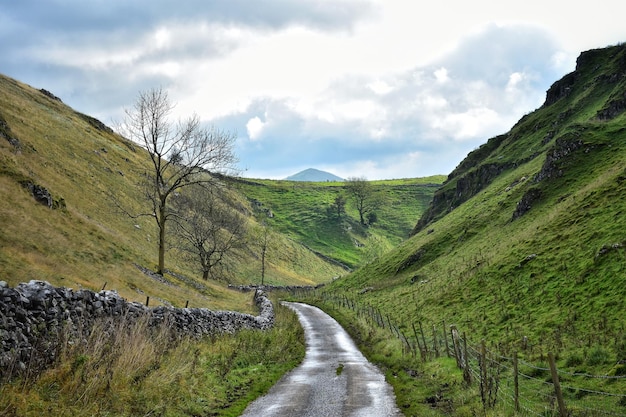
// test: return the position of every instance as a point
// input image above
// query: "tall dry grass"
(128, 368)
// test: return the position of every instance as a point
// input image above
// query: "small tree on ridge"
(362, 196)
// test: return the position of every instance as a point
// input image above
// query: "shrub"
(598, 356)
(575, 359)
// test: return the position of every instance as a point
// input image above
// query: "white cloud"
(380, 87)
(441, 75)
(469, 124)
(394, 115)
(254, 128)
(514, 80)
(376, 85)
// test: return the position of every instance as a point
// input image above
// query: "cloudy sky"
(370, 88)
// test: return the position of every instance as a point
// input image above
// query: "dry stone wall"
(35, 317)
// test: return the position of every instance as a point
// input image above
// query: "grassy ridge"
(300, 210)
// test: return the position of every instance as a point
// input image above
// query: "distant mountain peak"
(314, 175)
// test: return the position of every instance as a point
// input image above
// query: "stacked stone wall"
(36, 319)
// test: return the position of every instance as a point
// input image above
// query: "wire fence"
(504, 380)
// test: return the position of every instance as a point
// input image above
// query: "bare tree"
(182, 153)
(362, 196)
(209, 228)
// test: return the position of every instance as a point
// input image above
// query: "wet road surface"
(334, 380)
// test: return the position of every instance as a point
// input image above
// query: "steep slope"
(593, 93)
(526, 237)
(58, 169)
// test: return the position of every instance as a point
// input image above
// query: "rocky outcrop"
(42, 195)
(563, 147)
(34, 315)
(561, 88)
(50, 95)
(5, 132)
(467, 185)
(97, 124)
(612, 109)
(528, 200)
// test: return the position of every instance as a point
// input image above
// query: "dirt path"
(334, 380)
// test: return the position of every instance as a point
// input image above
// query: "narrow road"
(334, 380)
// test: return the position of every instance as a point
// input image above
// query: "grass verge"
(132, 370)
(592, 381)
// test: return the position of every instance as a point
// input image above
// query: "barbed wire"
(606, 413)
(592, 376)
(607, 394)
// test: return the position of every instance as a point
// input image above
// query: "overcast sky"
(361, 88)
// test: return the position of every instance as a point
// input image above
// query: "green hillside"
(526, 239)
(534, 214)
(84, 240)
(302, 211)
(81, 238)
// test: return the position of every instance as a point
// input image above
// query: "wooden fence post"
(405, 343)
(417, 339)
(435, 341)
(389, 323)
(557, 385)
(456, 346)
(147, 300)
(483, 372)
(516, 381)
(423, 338)
(467, 375)
(445, 339)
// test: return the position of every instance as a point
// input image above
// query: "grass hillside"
(82, 239)
(526, 238)
(301, 211)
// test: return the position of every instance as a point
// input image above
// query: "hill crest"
(314, 175)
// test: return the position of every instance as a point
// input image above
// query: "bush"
(598, 356)
(575, 359)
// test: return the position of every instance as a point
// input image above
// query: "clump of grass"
(598, 356)
(339, 369)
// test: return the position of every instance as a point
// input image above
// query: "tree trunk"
(161, 266)
(263, 266)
